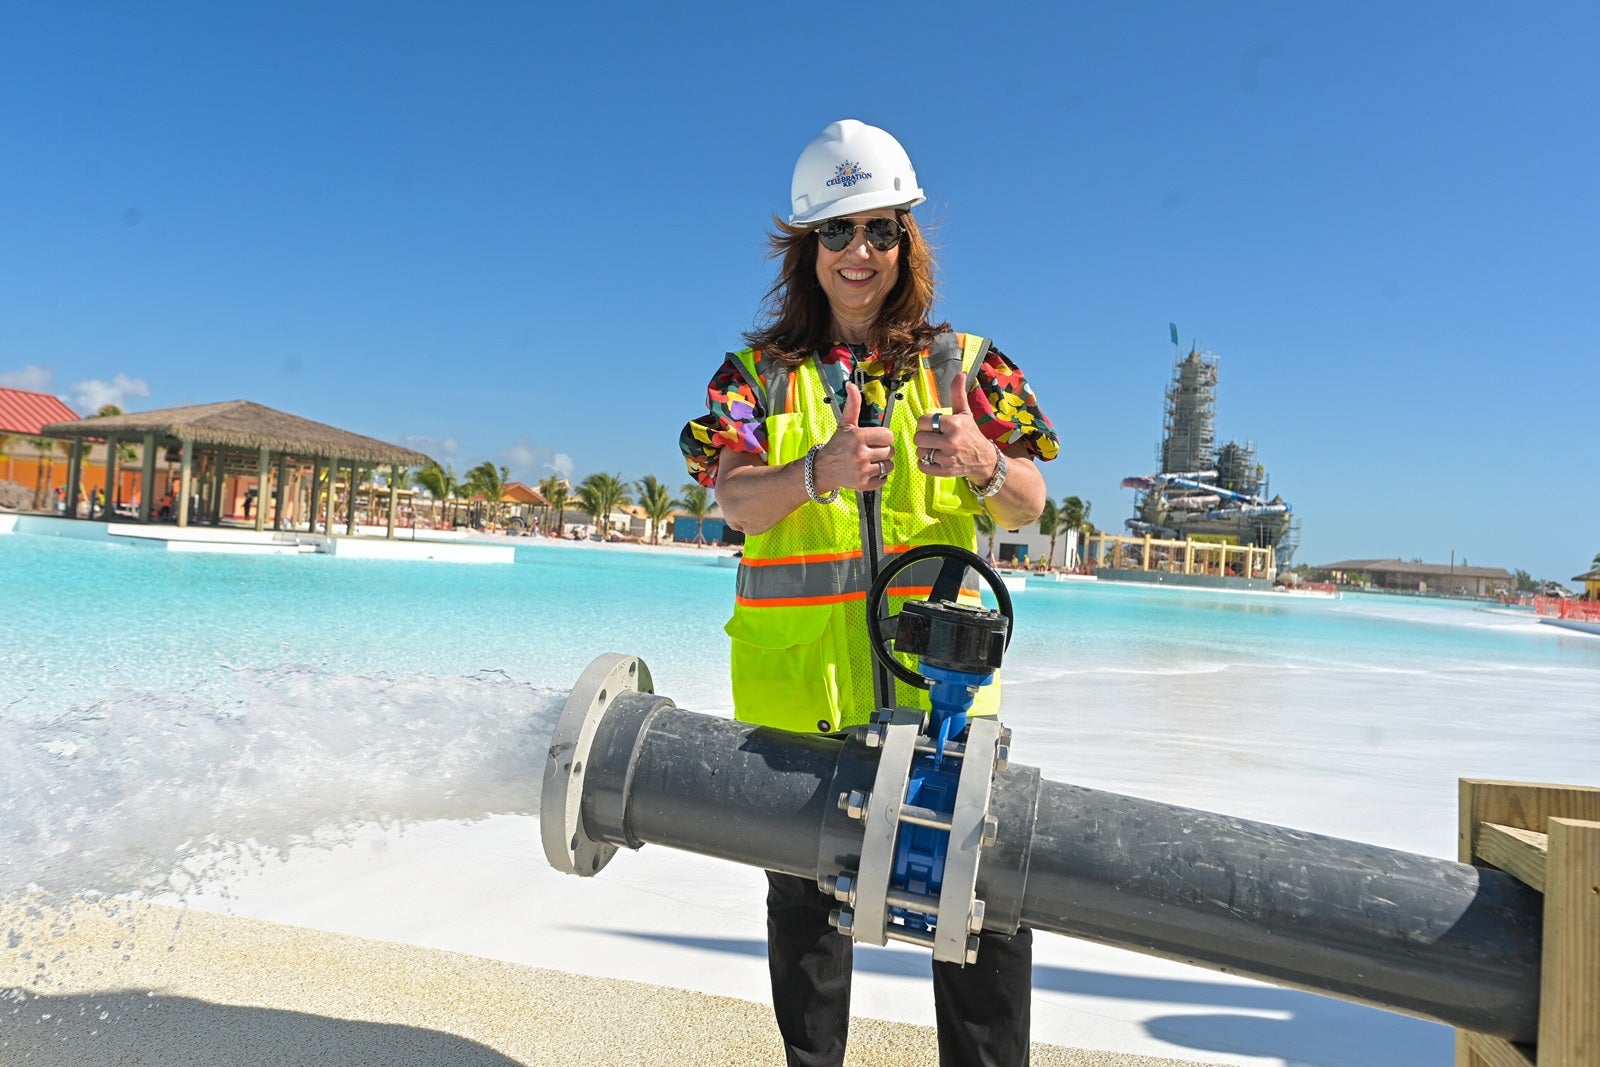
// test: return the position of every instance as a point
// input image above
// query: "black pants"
(981, 1009)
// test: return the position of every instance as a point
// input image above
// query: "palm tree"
(555, 489)
(599, 494)
(440, 483)
(985, 524)
(489, 482)
(1071, 515)
(1050, 523)
(656, 501)
(696, 502)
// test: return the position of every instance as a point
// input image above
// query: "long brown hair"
(799, 320)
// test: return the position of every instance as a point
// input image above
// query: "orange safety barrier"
(1585, 610)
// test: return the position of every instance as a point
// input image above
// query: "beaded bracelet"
(992, 486)
(811, 478)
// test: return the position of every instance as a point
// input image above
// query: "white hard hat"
(852, 167)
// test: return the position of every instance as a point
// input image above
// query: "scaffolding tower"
(1188, 439)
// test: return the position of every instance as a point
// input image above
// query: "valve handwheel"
(944, 632)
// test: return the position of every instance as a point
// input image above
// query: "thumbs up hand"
(856, 456)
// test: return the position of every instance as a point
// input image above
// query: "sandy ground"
(123, 984)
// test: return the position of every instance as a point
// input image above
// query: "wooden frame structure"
(1548, 837)
(1187, 556)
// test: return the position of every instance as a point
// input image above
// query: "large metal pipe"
(1427, 937)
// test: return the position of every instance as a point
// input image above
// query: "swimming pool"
(156, 706)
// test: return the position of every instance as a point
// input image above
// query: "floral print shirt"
(1000, 398)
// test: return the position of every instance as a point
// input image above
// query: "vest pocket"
(952, 496)
(790, 668)
(786, 438)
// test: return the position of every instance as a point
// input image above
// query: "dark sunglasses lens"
(835, 234)
(883, 233)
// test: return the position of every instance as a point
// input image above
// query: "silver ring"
(937, 417)
(883, 470)
(930, 457)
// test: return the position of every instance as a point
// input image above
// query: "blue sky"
(526, 233)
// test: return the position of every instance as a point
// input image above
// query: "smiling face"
(858, 279)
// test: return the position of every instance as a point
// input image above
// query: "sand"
(121, 984)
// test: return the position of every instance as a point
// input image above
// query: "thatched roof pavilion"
(221, 439)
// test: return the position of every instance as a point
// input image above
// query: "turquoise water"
(154, 705)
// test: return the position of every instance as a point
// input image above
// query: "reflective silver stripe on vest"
(822, 578)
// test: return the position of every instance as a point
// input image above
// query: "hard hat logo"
(847, 174)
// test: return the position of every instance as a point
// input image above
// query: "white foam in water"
(147, 791)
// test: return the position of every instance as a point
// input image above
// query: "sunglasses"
(883, 234)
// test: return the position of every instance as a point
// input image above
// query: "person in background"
(854, 426)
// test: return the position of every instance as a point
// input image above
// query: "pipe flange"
(566, 844)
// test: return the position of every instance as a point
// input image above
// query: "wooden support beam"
(1496, 1051)
(1569, 987)
(1548, 837)
(1520, 853)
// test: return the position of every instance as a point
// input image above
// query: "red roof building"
(25, 413)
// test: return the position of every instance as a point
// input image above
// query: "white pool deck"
(366, 543)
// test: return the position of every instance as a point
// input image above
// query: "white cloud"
(534, 463)
(32, 377)
(518, 455)
(443, 449)
(92, 394)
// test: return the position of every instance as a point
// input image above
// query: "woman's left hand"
(957, 449)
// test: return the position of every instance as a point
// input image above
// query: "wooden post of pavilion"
(277, 493)
(185, 482)
(394, 497)
(350, 509)
(333, 472)
(147, 474)
(311, 493)
(113, 463)
(219, 477)
(74, 476)
(262, 462)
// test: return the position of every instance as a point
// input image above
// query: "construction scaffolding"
(1202, 491)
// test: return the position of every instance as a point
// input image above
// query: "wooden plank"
(1569, 991)
(1491, 1051)
(1520, 853)
(1524, 805)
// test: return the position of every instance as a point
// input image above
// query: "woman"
(853, 427)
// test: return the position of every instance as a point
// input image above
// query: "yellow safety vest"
(801, 659)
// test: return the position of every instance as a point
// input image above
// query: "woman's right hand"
(856, 456)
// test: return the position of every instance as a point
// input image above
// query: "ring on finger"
(883, 469)
(930, 457)
(938, 416)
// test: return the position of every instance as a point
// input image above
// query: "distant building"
(1442, 578)
(1591, 583)
(713, 529)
